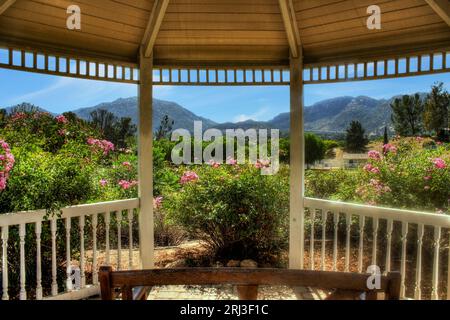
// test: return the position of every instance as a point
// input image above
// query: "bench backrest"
(246, 280)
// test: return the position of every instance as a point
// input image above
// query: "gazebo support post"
(297, 164)
(145, 154)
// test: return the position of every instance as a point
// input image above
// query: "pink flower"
(6, 163)
(126, 164)
(375, 155)
(389, 148)
(370, 168)
(189, 176)
(375, 170)
(231, 161)
(61, 119)
(262, 164)
(157, 202)
(426, 178)
(124, 184)
(427, 188)
(62, 132)
(439, 163)
(214, 164)
(2, 183)
(104, 145)
(18, 116)
(103, 182)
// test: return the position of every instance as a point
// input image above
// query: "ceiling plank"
(442, 8)
(290, 25)
(153, 26)
(5, 4)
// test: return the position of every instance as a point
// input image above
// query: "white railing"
(356, 236)
(89, 223)
(342, 237)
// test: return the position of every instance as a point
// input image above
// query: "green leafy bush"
(238, 212)
(331, 184)
(407, 175)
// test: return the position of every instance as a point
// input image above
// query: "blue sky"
(221, 104)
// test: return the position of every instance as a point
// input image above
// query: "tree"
(104, 121)
(437, 108)
(3, 116)
(386, 137)
(124, 129)
(407, 115)
(24, 107)
(115, 130)
(314, 148)
(356, 141)
(165, 128)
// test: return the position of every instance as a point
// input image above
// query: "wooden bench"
(135, 285)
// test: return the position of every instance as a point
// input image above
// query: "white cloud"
(60, 83)
(255, 116)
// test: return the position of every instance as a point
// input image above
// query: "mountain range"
(326, 117)
(331, 116)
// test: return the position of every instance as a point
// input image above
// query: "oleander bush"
(407, 174)
(237, 211)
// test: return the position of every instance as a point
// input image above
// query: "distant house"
(354, 160)
(342, 160)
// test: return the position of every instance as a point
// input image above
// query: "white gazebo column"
(145, 154)
(297, 167)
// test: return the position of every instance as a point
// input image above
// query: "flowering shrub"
(189, 176)
(61, 119)
(104, 146)
(410, 173)
(124, 184)
(238, 212)
(339, 185)
(6, 163)
(407, 176)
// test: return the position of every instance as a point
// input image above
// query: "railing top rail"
(426, 218)
(34, 216)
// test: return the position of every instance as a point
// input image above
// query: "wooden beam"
(290, 25)
(145, 158)
(297, 161)
(442, 8)
(5, 4)
(154, 23)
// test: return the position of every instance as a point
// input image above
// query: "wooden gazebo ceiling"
(201, 32)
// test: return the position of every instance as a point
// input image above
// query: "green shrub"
(315, 148)
(330, 184)
(40, 180)
(238, 212)
(408, 176)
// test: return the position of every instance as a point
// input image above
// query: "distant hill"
(182, 117)
(328, 117)
(248, 124)
(334, 115)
